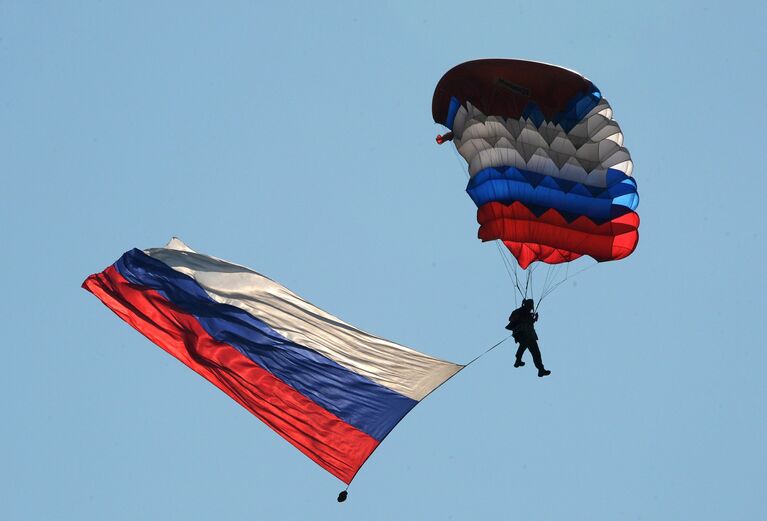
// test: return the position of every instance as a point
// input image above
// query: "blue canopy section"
(540, 192)
(452, 110)
(577, 109)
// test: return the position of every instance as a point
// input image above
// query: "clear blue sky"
(297, 139)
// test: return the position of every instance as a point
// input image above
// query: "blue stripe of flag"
(360, 402)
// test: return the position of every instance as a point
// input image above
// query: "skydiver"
(521, 326)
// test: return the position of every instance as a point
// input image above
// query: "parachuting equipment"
(547, 167)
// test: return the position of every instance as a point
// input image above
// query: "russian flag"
(328, 388)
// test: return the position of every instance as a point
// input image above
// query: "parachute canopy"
(548, 170)
(330, 389)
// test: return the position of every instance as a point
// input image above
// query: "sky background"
(297, 139)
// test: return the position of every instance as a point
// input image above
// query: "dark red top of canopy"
(503, 87)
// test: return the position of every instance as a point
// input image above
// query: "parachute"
(547, 167)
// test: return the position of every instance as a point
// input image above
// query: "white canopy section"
(582, 155)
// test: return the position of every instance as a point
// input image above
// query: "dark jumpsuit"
(522, 329)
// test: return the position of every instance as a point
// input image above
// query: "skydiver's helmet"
(528, 303)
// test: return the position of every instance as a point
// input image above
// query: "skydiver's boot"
(518, 355)
(543, 372)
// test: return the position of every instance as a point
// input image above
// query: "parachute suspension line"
(532, 292)
(527, 283)
(516, 279)
(551, 279)
(555, 270)
(513, 263)
(530, 279)
(567, 277)
(545, 282)
(550, 275)
(503, 258)
(506, 264)
(510, 265)
(549, 290)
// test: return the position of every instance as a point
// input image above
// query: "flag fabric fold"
(328, 388)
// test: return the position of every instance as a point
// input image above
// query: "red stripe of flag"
(333, 444)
